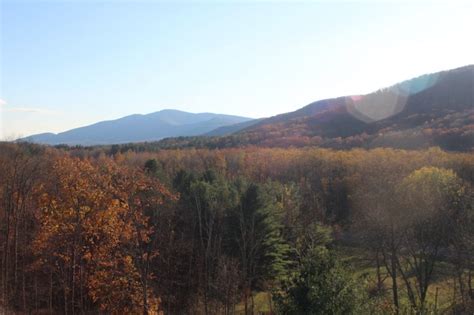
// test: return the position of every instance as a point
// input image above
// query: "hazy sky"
(66, 64)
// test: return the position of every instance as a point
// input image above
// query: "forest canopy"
(236, 231)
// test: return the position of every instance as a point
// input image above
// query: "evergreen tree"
(255, 238)
(320, 284)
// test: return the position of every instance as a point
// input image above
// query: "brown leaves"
(94, 217)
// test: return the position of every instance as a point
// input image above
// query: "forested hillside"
(431, 110)
(236, 231)
(434, 109)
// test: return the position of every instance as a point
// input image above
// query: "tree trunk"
(394, 284)
(65, 299)
(379, 275)
(253, 302)
(270, 302)
(469, 283)
(36, 294)
(246, 306)
(81, 285)
(6, 258)
(15, 246)
(145, 298)
(24, 291)
(51, 292)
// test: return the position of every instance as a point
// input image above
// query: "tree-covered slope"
(433, 109)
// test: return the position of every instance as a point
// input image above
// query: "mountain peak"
(140, 128)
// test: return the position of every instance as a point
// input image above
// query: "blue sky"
(66, 64)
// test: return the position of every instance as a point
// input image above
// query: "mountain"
(431, 110)
(228, 130)
(141, 128)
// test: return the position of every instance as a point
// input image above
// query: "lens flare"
(375, 107)
(387, 102)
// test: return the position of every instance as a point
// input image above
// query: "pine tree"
(255, 238)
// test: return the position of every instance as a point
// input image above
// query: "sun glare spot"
(378, 106)
(387, 102)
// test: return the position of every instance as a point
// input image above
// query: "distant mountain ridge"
(431, 110)
(141, 128)
(434, 109)
(228, 130)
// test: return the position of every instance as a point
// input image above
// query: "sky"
(66, 64)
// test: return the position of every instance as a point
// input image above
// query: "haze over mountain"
(141, 128)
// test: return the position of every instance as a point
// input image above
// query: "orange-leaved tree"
(96, 240)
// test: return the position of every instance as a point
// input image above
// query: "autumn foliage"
(93, 242)
(199, 231)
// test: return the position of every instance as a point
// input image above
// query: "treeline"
(203, 231)
(448, 129)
